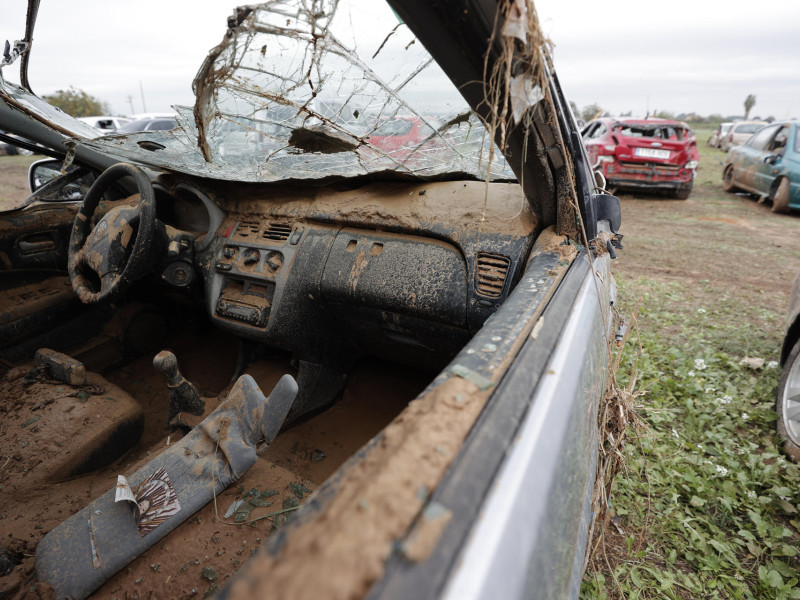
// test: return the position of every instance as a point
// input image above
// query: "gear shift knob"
(183, 396)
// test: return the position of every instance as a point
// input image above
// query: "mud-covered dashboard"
(404, 271)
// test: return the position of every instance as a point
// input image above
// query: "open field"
(705, 507)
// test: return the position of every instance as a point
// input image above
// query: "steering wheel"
(105, 260)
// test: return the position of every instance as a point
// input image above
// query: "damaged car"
(646, 155)
(271, 352)
(715, 139)
(768, 166)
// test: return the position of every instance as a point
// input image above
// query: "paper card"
(154, 500)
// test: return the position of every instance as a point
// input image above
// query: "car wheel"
(684, 191)
(11, 150)
(780, 199)
(788, 404)
(727, 179)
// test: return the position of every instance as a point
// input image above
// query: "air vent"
(248, 229)
(277, 231)
(491, 271)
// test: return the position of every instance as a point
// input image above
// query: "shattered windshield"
(666, 132)
(317, 88)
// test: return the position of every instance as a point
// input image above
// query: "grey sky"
(680, 56)
(683, 55)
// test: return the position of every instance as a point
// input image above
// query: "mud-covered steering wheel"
(105, 260)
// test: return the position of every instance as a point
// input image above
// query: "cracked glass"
(316, 89)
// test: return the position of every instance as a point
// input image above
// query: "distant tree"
(770, 119)
(716, 118)
(749, 103)
(664, 114)
(592, 111)
(78, 103)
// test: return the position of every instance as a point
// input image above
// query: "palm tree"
(749, 103)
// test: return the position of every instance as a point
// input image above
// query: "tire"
(786, 405)
(780, 199)
(727, 180)
(11, 150)
(684, 191)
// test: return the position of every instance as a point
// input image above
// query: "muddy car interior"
(262, 305)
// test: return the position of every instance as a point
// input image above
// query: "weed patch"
(705, 505)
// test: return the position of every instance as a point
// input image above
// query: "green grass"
(706, 503)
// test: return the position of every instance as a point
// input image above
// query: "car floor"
(48, 424)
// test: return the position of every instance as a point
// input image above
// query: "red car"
(649, 155)
(403, 132)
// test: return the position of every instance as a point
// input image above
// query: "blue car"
(767, 165)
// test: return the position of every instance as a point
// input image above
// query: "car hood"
(286, 95)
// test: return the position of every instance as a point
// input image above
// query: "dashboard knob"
(251, 256)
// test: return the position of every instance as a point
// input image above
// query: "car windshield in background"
(291, 93)
(749, 128)
(147, 124)
(659, 132)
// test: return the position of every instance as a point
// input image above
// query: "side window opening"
(778, 144)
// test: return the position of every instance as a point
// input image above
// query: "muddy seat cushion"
(31, 303)
(55, 431)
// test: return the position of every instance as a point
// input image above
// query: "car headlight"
(606, 159)
(692, 164)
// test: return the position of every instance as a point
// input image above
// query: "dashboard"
(406, 271)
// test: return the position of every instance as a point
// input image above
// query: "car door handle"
(36, 246)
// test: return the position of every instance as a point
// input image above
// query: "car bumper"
(633, 184)
(647, 177)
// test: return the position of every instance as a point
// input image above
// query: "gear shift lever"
(183, 396)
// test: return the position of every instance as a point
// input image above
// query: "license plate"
(651, 153)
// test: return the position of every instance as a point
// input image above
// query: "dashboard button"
(251, 257)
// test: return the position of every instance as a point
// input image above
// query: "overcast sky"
(680, 56)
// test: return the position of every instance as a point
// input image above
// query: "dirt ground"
(724, 251)
(14, 179)
(46, 431)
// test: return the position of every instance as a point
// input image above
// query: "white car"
(106, 124)
(740, 133)
(715, 141)
(149, 123)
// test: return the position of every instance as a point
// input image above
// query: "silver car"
(788, 401)
(308, 365)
